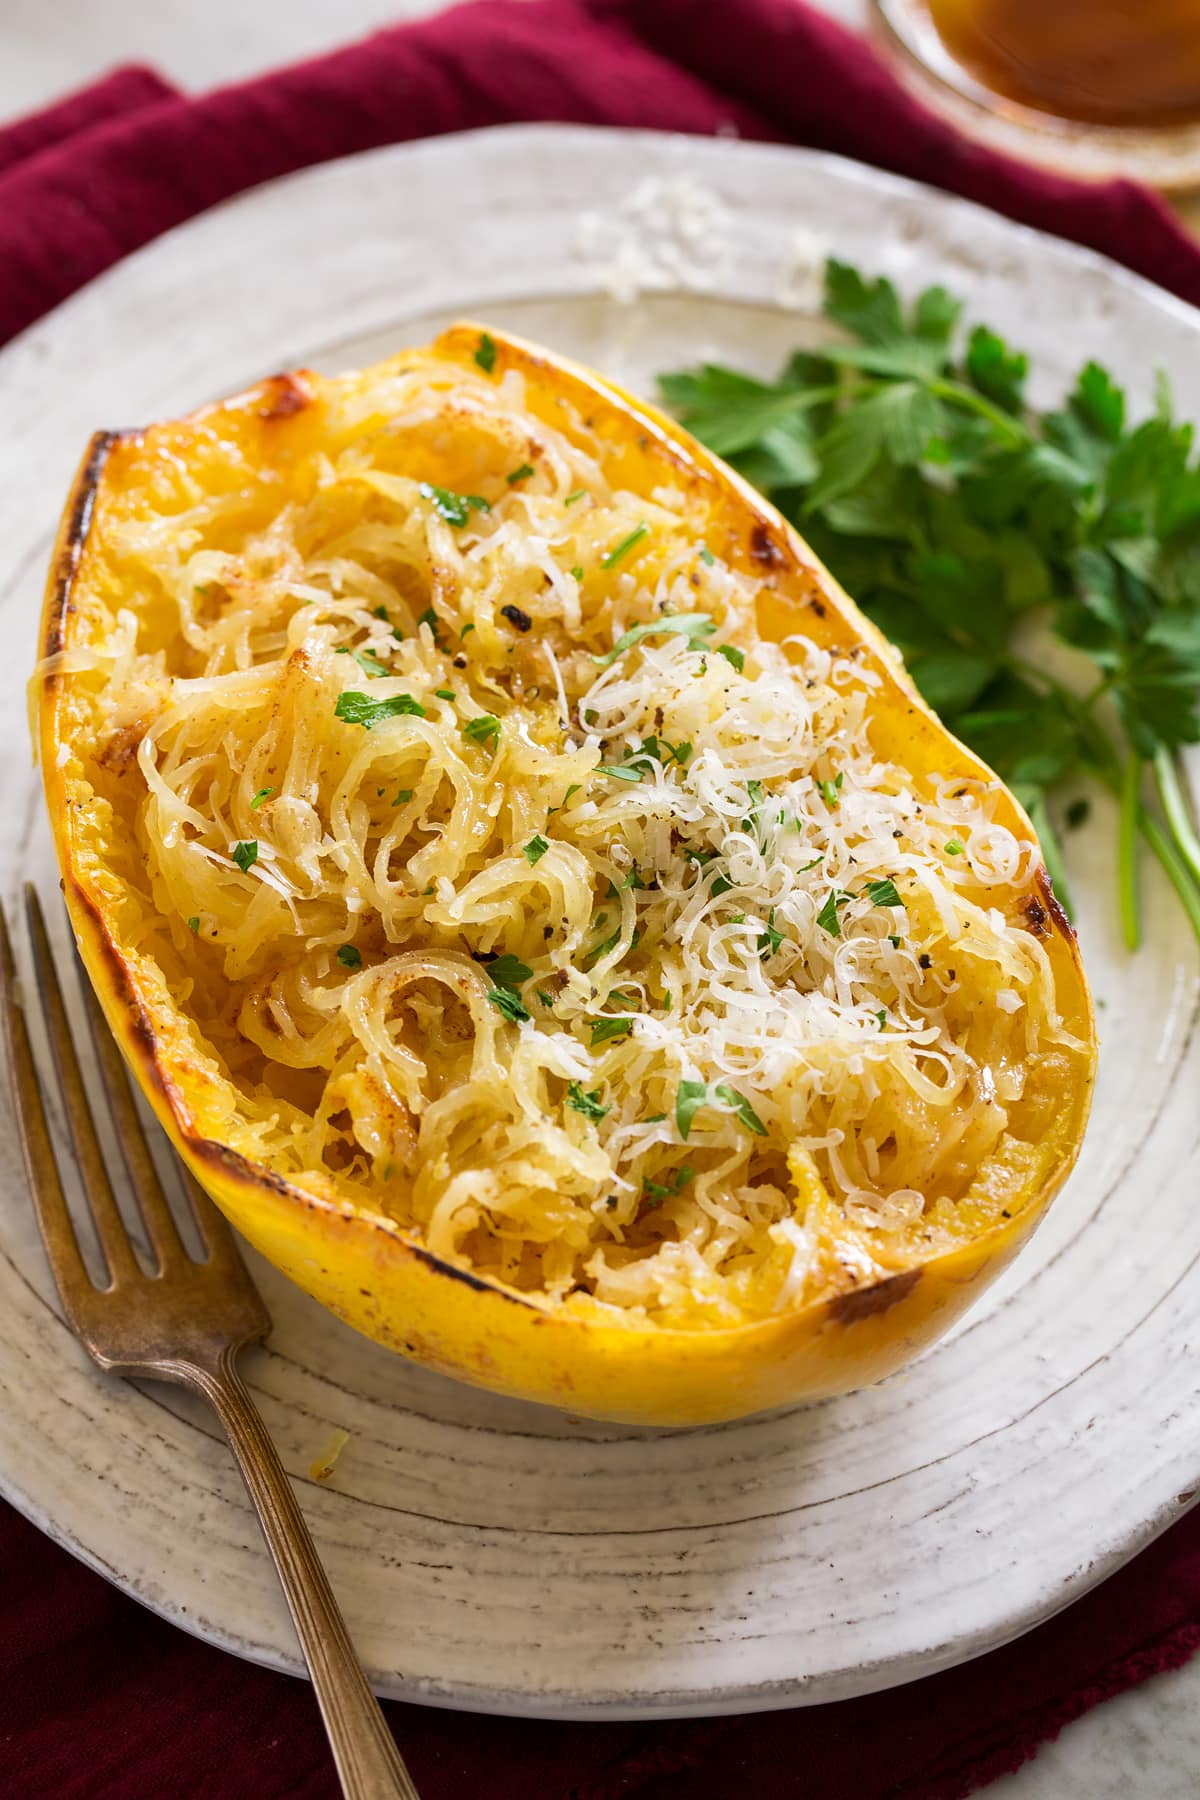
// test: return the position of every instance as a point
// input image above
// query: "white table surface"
(1144, 1745)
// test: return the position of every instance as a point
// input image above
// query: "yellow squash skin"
(370, 1271)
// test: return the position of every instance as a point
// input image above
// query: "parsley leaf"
(535, 849)
(605, 1029)
(366, 661)
(666, 1190)
(690, 1096)
(695, 627)
(520, 474)
(354, 708)
(483, 730)
(505, 974)
(742, 1108)
(509, 971)
(587, 1104)
(509, 1005)
(456, 509)
(262, 794)
(883, 892)
(350, 956)
(485, 352)
(827, 918)
(611, 557)
(245, 855)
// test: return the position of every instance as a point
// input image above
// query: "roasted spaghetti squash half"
(534, 899)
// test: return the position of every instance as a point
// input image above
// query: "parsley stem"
(1127, 883)
(965, 397)
(1174, 868)
(1175, 806)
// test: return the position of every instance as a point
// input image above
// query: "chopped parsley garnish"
(827, 918)
(696, 627)
(456, 509)
(605, 1029)
(444, 693)
(770, 939)
(655, 749)
(883, 893)
(954, 848)
(483, 730)
(509, 1005)
(403, 796)
(587, 1104)
(742, 1108)
(689, 1098)
(466, 628)
(521, 474)
(509, 971)
(194, 923)
(830, 791)
(485, 352)
(577, 572)
(506, 973)
(618, 774)
(881, 1015)
(612, 557)
(262, 794)
(535, 849)
(692, 1095)
(733, 656)
(673, 1185)
(359, 709)
(577, 494)
(381, 612)
(721, 885)
(245, 855)
(369, 663)
(546, 998)
(609, 943)
(350, 956)
(706, 555)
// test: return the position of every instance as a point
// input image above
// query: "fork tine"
(148, 1189)
(54, 1220)
(110, 1228)
(215, 1229)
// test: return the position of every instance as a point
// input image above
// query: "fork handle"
(369, 1765)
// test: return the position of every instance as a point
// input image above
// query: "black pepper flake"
(460, 662)
(925, 960)
(897, 833)
(516, 617)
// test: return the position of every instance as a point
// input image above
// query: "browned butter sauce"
(1112, 62)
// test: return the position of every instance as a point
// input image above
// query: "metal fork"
(184, 1323)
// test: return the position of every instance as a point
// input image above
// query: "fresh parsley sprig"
(954, 513)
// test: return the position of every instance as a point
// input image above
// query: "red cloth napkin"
(97, 1697)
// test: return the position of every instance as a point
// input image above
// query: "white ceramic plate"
(497, 1556)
